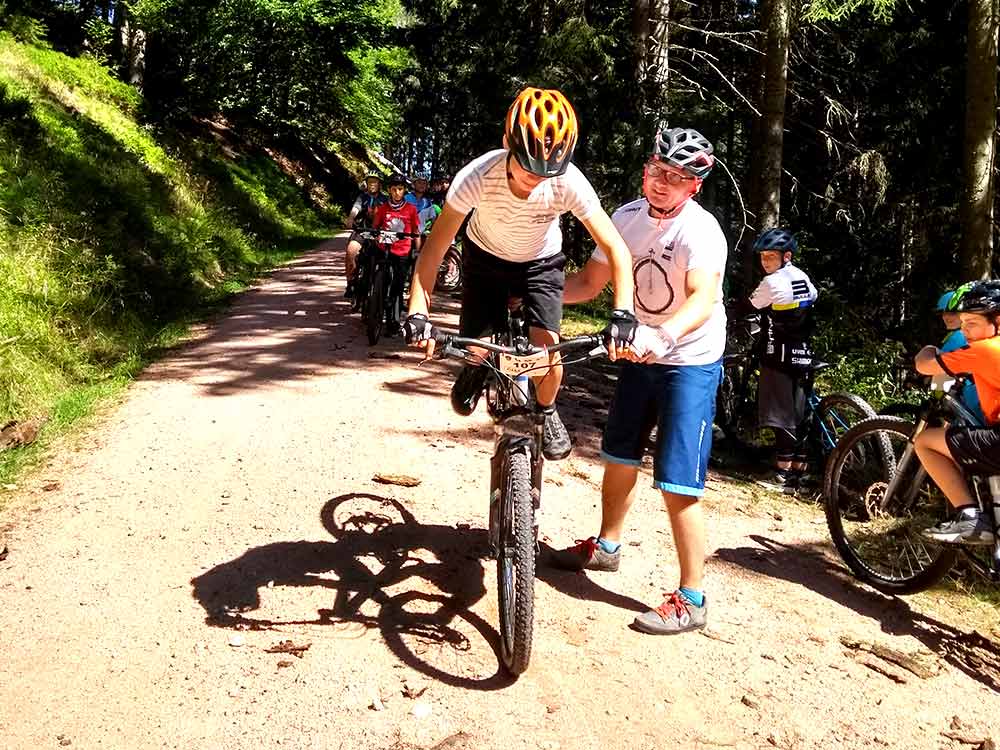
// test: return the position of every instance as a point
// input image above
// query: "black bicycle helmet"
(685, 148)
(776, 239)
(982, 297)
(396, 179)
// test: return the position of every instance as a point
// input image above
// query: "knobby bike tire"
(449, 278)
(835, 411)
(882, 546)
(375, 306)
(736, 411)
(516, 562)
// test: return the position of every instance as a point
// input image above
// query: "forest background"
(156, 154)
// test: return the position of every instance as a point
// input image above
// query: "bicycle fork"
(507, 443)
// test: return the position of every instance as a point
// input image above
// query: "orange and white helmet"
(541, 131)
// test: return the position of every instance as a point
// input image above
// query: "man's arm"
(702, 288)
(355, 210)
(587, 283)
(607, 237)
(442, 234)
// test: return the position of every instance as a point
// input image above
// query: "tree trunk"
(765, 197)
(980, 123)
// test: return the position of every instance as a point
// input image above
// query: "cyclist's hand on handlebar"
(420, 333)
(619, 334)
(651, 344)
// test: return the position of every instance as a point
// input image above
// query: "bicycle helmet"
(943, 300)
(957, 295)
(396, 179)
(541, 131)
(776, 239)
(685, 148)
(982, 297)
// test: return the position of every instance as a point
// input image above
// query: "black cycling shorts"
(488, 282)
(975, 449)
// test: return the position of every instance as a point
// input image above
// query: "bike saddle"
(818, 366)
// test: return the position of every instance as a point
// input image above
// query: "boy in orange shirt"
(948, 452)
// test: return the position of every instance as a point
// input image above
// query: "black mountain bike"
(379, 282)
(449, 278)
(515, 468)
(828, 417)
(878, 505)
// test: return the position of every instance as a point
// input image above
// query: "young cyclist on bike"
(947, 306)
(946, 452)
(398, 215)
(678, 255)
(785, 296)
(360, 217)
(513, 247)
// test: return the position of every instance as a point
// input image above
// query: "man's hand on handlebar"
(619, 334)
(420, 333)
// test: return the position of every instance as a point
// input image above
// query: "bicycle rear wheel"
(879, 537)
(375, 306)
(516, 561)
(736, 409)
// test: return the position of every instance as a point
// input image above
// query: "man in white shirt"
(678, 259)
(513, 247)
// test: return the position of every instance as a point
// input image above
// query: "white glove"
(652, 343)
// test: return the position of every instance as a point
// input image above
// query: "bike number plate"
(514, 365)
(387, 238)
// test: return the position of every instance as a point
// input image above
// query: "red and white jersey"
(402, 219)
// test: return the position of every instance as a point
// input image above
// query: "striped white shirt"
(512, 228)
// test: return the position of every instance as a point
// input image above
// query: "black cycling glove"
(418, 328)
(622, 328)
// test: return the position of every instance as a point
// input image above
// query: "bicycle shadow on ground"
(808, 565)
(370, 528)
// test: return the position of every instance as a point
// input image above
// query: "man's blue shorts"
(679, 400)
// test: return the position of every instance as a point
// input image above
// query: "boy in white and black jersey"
(786, 296)
(513, 248)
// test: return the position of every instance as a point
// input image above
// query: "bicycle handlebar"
(458, 345)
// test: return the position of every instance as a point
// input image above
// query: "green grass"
(115, 235)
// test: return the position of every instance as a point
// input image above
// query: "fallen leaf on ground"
(3, 554)
(402, 480)
(287, 647)
(50, 486)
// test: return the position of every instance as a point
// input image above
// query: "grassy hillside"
(114, 234)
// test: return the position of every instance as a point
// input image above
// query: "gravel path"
(227, 506)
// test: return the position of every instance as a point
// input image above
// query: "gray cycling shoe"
(586, 554)
(675, 615)
(970, 527)
(556, 444)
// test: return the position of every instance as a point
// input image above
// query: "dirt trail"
(229, 500)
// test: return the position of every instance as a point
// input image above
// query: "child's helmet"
(943, 301)
(685, 148)
(982, 297)
(776, 239)
(541, 131)
(396, 179)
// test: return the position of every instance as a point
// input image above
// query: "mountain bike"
(515, 467)
(878, 505)
(379, 282)
(828, 417)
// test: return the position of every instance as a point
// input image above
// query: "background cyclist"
(947, 306)
(948, 452)
(513, 246)
(362, 213)
(785, 297)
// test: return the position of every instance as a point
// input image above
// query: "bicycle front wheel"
(375, 306)
(877, 535)
(516, 562)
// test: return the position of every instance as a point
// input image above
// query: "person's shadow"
(369, 527)
(808, 566)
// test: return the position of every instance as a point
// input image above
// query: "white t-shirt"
(788, 288)
(663, 251)
(513, 228)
